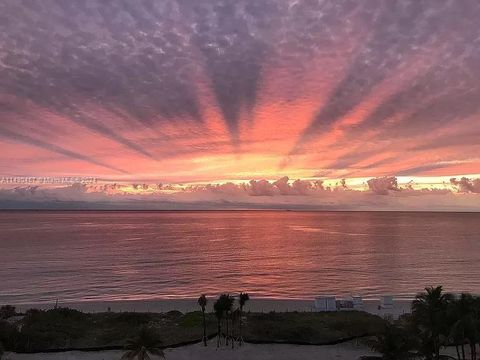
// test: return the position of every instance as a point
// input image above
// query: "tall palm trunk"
(244, 297)
(226, 337)
(204, 328)
(233, 331)
(240, 326)
(437, 347)
(473, 351)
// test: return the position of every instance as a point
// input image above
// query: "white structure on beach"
(386, 302)
(353, 302)
(325, 303)
(357, 302)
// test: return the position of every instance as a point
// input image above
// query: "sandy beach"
(187, 305)
(348, 350)
(345, 351)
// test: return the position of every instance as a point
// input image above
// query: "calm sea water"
(78, 256)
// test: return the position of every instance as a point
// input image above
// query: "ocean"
(78, 256)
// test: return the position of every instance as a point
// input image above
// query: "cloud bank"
(380, 194)
(466, 185)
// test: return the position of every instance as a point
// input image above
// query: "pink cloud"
(466, 185)
(383, 185)
(383, 194)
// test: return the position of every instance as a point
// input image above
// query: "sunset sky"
(217, 102)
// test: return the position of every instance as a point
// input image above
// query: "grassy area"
(65, 328)
(311, 327)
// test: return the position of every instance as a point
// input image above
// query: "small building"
(386, 302)
(344, 304)
(357, 302)
(325, 303)
(353, 302)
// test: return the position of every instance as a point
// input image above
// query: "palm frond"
(147, 341)
(130, 355)
(157, 352)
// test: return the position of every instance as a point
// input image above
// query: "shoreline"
(185, 305)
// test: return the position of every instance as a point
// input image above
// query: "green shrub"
(9, 336)
(56, 328)
(7, 311)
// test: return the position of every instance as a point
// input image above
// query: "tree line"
(226, 314)
(438, 319)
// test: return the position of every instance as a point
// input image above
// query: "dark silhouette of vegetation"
(62, 328)
(7, 311)
(438, 319)
(224, 309)
(394, 343)
(9, 336)
(236, 317)
(219, 310)
(229, 300)
(66, 329)
(242, 300)
(464, 322)
(315, 328)
(202, 302)
(429, 313)
(146, 343)
(55, 328)
(461, 320)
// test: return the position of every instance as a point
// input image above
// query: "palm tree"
(457, 337)
(461, 315)
(394, 343)
(429, 314)
(226, 304)
(229, 300)
(243, 298)
(219, 309)
(143, 345)
(202, 301)
(222, 307)
(236, 316)
(464, 313)
(475, 336)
